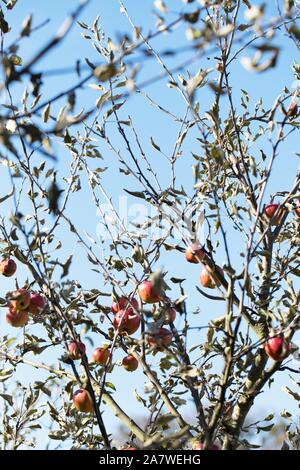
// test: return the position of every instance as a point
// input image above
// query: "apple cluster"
(21, 302)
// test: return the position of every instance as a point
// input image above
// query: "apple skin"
(20, 299)
(277, 348)
(130, 363)
(127, 321)
(148, 293)
(206, 280)
(101, 356)
(194, 253)
(160, 339)
(8, 267)
(17, 318)
(82, 401)
(123, 303)
(200, 445)
(74, 349)
(37, 303)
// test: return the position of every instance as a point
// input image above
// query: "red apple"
(37, 303)
(101, 355)
(272, 209)
(200, 446)
(19, 299)
(8, 267)
(17, 318)
(194, 253)
(82, 401)
(75, 347)
(148, 292)
(130, 363)
(277, 348)
(127, 321)
(206, 280)
(124, 303)
(160, 339)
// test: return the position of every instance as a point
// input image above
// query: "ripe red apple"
(123, 303)
(74, 349)
(37, 303)
(101, 355)
(194, 253)
(272, 209)
(16, 318)
(130, 363)
(19, 299)
(169, 315)
(148, 292)
(160, 339)
(127, 321)
(8, 267)
(206, 280)
(292, 110)
(82, 401)
(277, 348)
(199, 446)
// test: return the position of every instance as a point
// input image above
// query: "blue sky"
(148, 123)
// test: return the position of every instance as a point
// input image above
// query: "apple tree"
(193, 302)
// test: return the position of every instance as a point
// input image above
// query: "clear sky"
(148, 124)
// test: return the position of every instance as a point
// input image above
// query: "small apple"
(8, 267)
(101, 355)
(19, 299)
(75, 347)
(148, 292)
(82, 401)
(130, 363)
(127, 321)
(277, 348)
(124, 303)
(194, 253)
(199, 446)
(206, 280)
(160, 339)
(169, 315)
(273, 213)
(17, 318)
(37, 303)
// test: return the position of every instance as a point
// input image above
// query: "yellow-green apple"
(8, 267)
(82, 401)
(130, 363)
